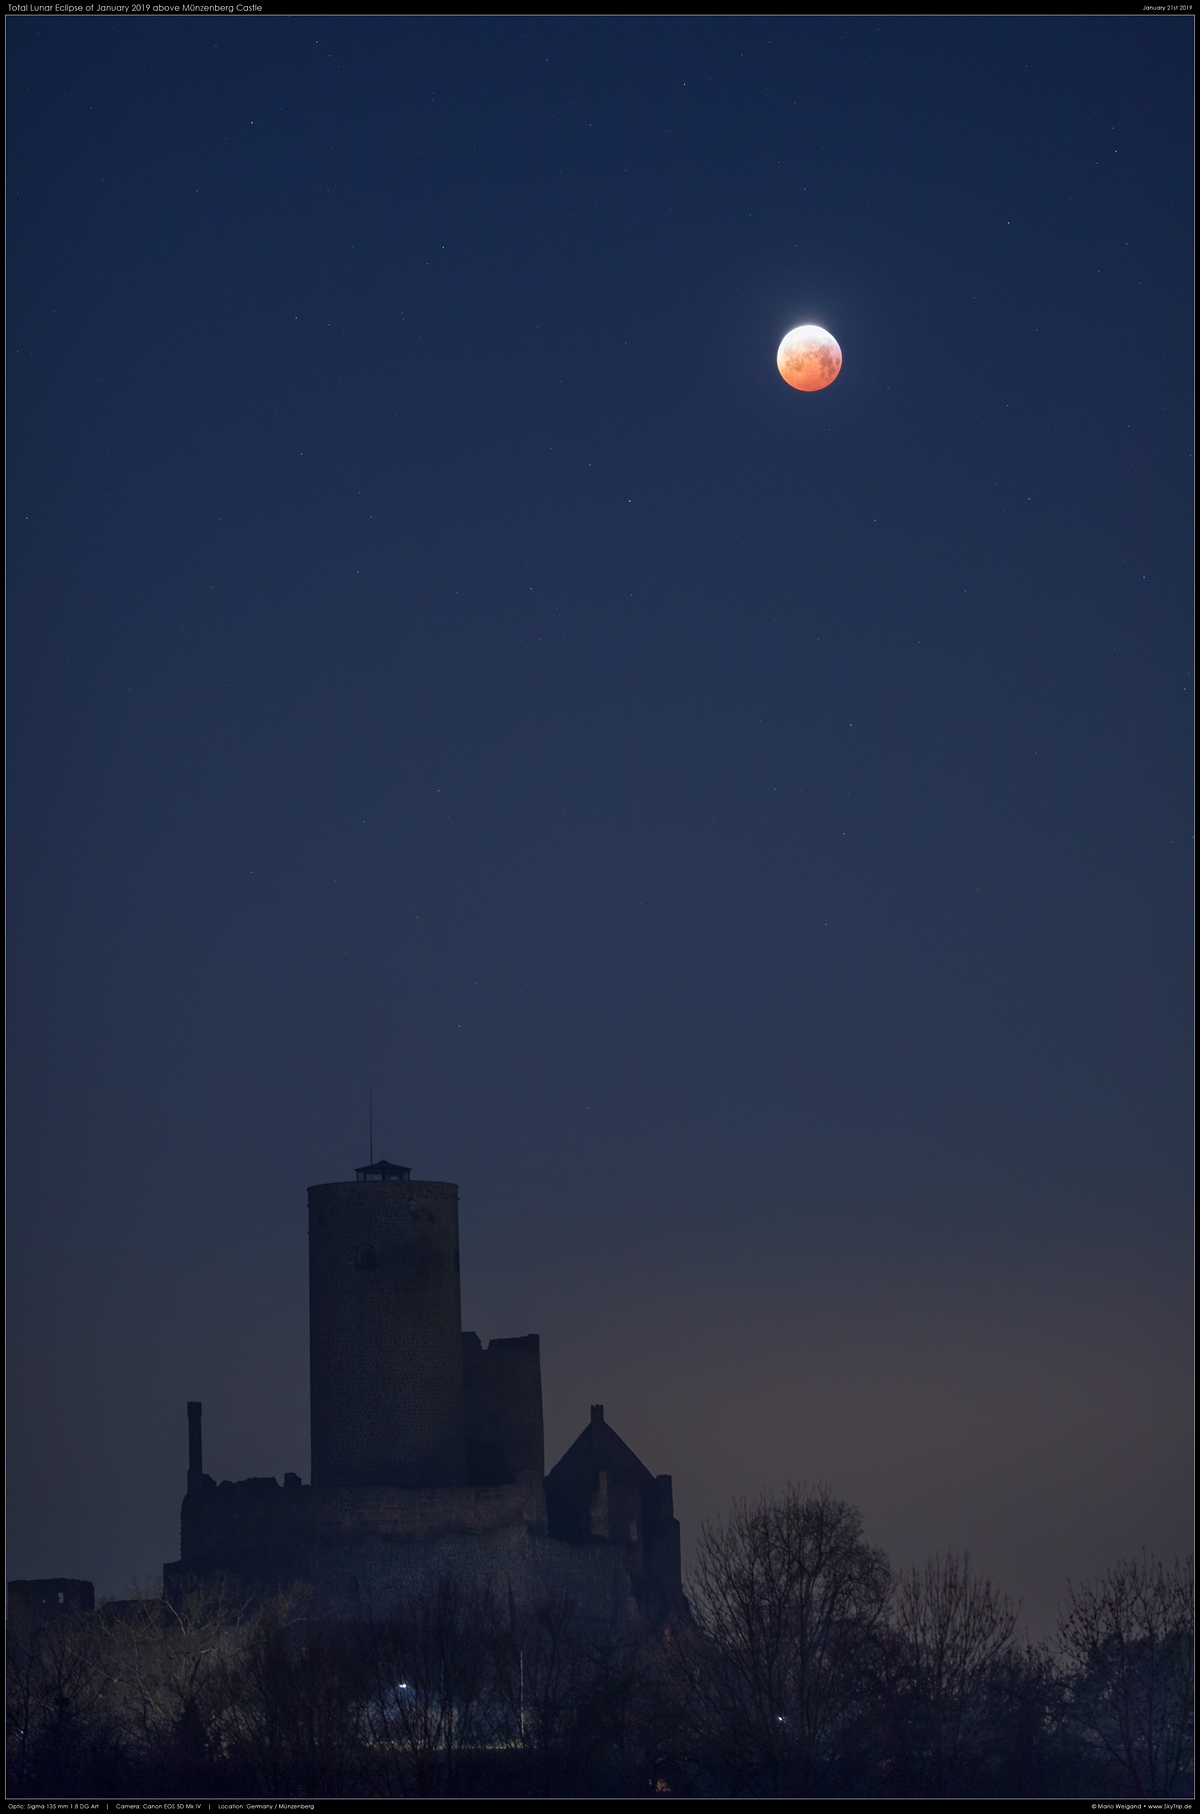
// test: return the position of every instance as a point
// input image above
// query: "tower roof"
(382, 1169)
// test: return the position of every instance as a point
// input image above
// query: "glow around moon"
(809, 359)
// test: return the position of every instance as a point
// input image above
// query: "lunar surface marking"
(809, 359)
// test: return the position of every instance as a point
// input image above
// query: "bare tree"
(165, 1656)
(789, 1602)
(294, 1706)
(1129, 1639)
(587, 1713)
(543, 1677)
(134, 1696)
(431, 1689)
(953, 1631)
(61, 1737)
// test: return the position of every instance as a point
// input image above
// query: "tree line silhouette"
(805, 1667)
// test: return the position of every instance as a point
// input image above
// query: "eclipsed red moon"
(809, 359)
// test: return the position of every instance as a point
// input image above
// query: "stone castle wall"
(240, 1522)
(502, 1407)
(362, 1552)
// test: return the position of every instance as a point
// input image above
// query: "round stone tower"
(385, 1331)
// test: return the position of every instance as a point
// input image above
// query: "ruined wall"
(35, 1603)
(385, 1349)
(601, 1493)
(257, 1526)
(502, 1408)
(360, 1552)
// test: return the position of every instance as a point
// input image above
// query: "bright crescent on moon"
(809, 359)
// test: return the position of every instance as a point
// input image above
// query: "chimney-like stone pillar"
(195, 1448)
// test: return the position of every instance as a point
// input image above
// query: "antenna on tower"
(371, 1122)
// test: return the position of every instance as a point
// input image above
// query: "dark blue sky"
(743, 837)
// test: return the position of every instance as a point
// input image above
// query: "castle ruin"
(427, 1447)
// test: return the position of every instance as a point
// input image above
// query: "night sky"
(742, 837)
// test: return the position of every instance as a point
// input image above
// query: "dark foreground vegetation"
(808, 1668)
